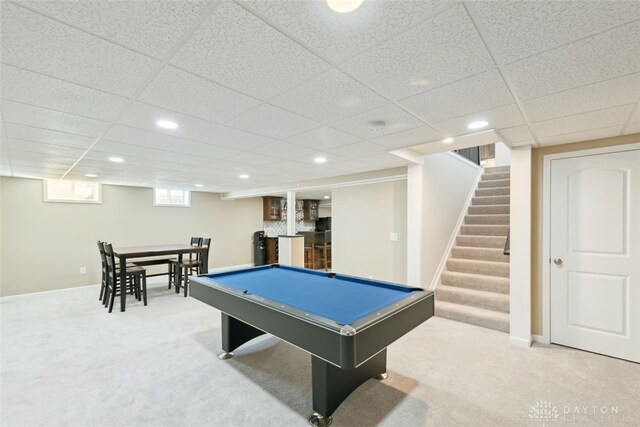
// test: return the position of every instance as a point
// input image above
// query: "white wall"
(447, 180)
(363, 217)
(45, 244)
(503, 155)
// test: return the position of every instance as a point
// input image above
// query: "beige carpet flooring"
(66, 362)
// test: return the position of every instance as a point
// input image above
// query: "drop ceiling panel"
(395, 119)
(323, 138)
(233, 138)
(597, 96)
(604, 56)
(238, 50)
(523, 28)
(14, 112)
(581, 136)
(498, 118)
(478, 93)
(187, 93)
(358, 150)
(329, 97)
(272, 122)
(47, 149)
(407, 138)
(253, 159)
(150, 27)
(28, 158)
(47, 92)
(161, 142)
(439, 51)
(339, 36)
(284, 150)
(60, 51)
(385, 161)
(517, 134)
(133, 153)
(584, 122)
(47, 136)
(144, 116)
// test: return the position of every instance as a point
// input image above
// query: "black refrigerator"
(259, 248)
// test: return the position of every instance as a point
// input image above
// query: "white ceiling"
(263, 87)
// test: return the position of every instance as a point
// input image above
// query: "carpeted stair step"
(490, 200)
(475, 266)
(484, 230)
(482, 241)
(489, 209)
(473, 315)
(476, 281)
(497, 169)
(495, 176)
(501, 219)
(496, 183)
(483, 254)
(499, 191)
(472, 297)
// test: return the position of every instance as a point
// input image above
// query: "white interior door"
(595, 253)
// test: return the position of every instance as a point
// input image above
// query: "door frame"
(546, 225)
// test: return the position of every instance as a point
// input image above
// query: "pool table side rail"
(413, 295)
(324, 341)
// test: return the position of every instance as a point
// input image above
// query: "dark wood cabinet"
(272, 252)
(311, 210)
(271, 208)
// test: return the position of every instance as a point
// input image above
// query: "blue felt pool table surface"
(343, 299)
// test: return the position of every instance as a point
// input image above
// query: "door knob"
(557, 261)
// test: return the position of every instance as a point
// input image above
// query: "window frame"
(47, 199)
(171, 205)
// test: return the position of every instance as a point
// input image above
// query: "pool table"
(344, 322)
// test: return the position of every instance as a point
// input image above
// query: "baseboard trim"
(540, 338)
(152, 281)
(520, 342)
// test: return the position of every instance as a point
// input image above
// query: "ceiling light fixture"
(344, 6)
(243, 176)
(90, 175)
(327, 197)
(320, 159)
(199, 185)
(167, 124)
(377, 125)
(478, 125)
(116, 159)
(448, 140)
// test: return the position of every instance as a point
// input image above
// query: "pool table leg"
(234, 334)
(331, 385)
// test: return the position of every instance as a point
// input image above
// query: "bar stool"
(173, 273)
(136, 279)
(309, 250)
(324, 250)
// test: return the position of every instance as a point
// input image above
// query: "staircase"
(474, 288)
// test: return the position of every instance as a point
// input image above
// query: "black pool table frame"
(343, 356)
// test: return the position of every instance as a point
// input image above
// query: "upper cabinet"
(271, 208)
(311, 210)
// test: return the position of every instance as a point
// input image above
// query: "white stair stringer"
(474, 288)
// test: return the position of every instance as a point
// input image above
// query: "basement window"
(68, 191)
(165, 197)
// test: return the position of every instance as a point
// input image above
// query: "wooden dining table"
(139, 253)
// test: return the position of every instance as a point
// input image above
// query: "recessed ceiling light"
(344, 6)
(327, 197)
(320, 159)
(243, 176)
(448, 140)
(478, 125)
(116, 159)
(199, 185)
(90, 175)
(167, 124)
(377, 125)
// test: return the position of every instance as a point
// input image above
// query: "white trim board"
(546, 219)
(452, 239)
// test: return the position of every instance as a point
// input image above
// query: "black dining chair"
(192, 265)
(136, 279)
(173, 272)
